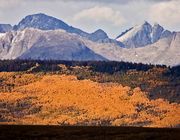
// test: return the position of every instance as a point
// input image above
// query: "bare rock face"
(51, 45)
(142, 35)
(5, 28)
(45, 22)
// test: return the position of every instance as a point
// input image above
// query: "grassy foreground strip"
(37, 132)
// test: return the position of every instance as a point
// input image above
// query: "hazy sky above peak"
(113, 16)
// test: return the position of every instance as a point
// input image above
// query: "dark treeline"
(174, 71)
(97, 66)
(15, 65)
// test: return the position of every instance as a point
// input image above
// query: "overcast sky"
(113, 16)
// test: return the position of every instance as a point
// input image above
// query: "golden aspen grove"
(64, 99)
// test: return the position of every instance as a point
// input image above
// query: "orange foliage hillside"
(64, 100)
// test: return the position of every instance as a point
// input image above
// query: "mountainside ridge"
(38, 44)
(5, 28)
(142, 35)
(32, 39)
(44, 22)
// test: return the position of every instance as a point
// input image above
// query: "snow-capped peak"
(133, 31)
(141, 35)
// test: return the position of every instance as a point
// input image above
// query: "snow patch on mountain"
(2, 35)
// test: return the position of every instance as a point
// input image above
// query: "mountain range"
(40, 36)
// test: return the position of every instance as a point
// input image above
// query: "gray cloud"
(120, 14)
(116, 1)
